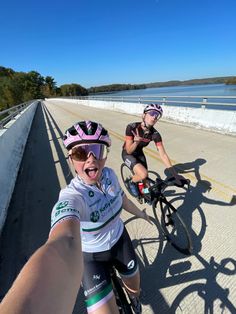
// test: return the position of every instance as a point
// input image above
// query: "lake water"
(188, 90)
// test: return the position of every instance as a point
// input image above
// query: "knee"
(143, 175)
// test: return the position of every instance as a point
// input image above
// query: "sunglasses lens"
(82, 152)
(153, 113)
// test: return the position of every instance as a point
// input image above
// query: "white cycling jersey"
(98, 211)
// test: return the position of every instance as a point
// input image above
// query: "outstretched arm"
(166, 160)
(130, 207)
(50, 280)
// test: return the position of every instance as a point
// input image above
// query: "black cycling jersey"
(147, 136)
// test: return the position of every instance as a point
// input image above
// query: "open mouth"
(91, 172)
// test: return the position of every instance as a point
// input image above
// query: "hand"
(137, 138)
(145, 216)
(178, 179)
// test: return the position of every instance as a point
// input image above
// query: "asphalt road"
(171, 282)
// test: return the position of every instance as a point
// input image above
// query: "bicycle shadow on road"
(210, 296)
(190, 204)
(171, 269)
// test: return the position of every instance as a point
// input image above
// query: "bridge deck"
(206, 158)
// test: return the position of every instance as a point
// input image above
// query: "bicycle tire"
(123, 305)
(152, 176)
(126, 174)
(174, 227)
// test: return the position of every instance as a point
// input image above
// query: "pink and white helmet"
(86, 132)
(154, 107)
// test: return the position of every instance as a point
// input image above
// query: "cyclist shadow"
(190, 167)
(170, 269)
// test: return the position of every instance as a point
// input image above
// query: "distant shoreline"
(227, 80)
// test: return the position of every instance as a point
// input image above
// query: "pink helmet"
(86, 132)
(155, 107)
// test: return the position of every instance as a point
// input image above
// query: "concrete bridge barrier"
(222, 121)
(13, 138)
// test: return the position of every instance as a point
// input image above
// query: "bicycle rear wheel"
(126, 175)
(174, 227)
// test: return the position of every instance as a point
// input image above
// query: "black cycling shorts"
(133, 159)
(96, 278)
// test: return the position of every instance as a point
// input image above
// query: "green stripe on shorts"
(99, 296)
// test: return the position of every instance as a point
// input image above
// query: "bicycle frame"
(123, 305)
(172, 224)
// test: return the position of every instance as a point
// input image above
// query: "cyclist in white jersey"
(95, 199)
(86, 234)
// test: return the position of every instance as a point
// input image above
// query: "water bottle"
(146, 191)
(140, 187)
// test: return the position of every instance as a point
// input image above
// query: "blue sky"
(99, 42)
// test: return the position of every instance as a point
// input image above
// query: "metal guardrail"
(9, 114)
(229, 102)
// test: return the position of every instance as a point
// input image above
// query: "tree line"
(20, 87)
(231, 81)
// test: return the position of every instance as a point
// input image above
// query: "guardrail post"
(203, 106)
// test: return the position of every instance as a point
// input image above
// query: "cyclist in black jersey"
(87, 235)
(137, 136)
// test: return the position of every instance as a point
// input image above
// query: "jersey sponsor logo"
(62, 205)
(131, 264)
(95, 288)
(94, 216)
(91, 193)
(108, 204)
(128, 162)
(66, 210)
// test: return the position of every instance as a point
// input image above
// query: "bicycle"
(122, 302)
(172, 224)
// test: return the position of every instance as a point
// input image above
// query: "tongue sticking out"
(91, 173)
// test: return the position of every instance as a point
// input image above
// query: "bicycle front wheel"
(174, 228)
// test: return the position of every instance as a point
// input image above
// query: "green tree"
(49, 88)
(73, 90)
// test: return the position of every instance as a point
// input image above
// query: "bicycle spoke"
(145, 239)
